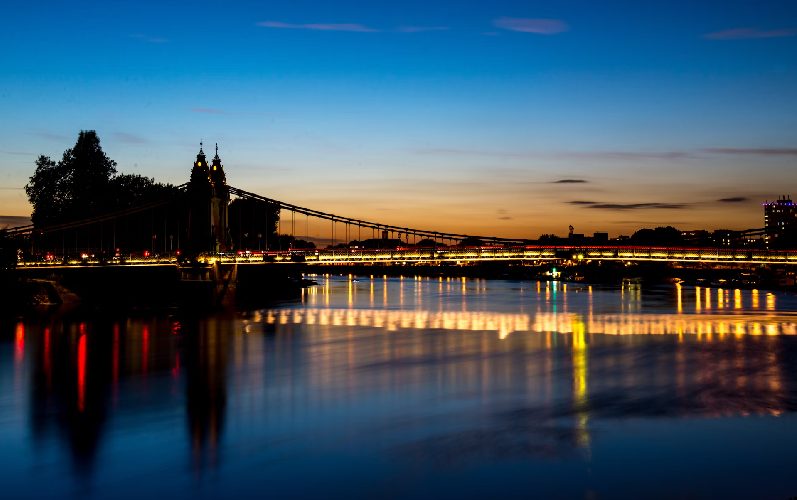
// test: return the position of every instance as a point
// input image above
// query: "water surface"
(410, 387)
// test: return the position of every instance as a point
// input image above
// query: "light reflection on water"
(381, 385)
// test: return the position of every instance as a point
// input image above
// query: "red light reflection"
(19, 344)
(144, 347)
(81, 372)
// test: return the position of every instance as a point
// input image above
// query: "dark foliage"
(660, 236)
(84, 184)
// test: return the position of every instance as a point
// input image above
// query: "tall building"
(780, 221)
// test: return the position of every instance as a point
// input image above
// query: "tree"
(48, 192)
(661, 236)
(76, 186)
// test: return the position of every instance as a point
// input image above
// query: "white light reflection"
(506, 323)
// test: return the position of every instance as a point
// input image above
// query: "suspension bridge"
(211, 221)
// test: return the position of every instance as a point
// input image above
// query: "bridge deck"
(466, 255)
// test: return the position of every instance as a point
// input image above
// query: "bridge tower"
(219, 204)
(208, 201)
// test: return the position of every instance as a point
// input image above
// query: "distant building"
(780, 220)
(600, 238)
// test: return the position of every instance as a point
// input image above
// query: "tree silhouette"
(75, 186)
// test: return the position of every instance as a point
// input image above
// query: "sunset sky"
(509, 118)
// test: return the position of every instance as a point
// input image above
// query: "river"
(410, 387)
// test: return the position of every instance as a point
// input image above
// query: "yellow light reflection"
(770, 301)
(704, 326)
(580, 380)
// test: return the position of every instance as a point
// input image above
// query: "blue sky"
(446, 115)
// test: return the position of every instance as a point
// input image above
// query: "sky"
(506, 118)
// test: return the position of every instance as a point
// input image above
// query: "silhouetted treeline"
(658, 237)
(128, 213)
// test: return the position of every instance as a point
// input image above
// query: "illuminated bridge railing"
(432, 256)
(533, 253)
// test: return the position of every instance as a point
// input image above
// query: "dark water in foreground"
(411, 388)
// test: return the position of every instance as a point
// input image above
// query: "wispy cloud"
(129, 138)
(601, 155)
(750, 33)
(209, 111)
(471, 152)
(503, 214)
(754, 151)
(353, 27)
(18, 153)
(611, 155)
(570, 181)
(527, 25)
(733, 199)
(629, 206)
(149, 39)
(628, 155)
(421, 29)
(50, 136)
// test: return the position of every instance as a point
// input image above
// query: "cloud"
(749, 33)
(602, 155)
(149, 39)
(629, 155)
(629, 206)
(473, 152)
(50, 136)
(733, 199)
(210, 111)
(611, 155)
(536, 26)
(129, 138)
(421, 29)
(754, 151)
(353, 27)
(570, 181)
(17, 153)
(505, 217)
